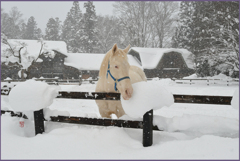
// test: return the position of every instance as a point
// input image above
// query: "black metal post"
(147, 128)
(39, 121)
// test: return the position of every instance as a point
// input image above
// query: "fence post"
(147, 128)
(39, 122)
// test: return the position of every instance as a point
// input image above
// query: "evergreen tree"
(10, 23)
(32, 32)
(72, 31)
(53, 29)
(90, 31)
(209, 29)
(22, 27)
(227, 35)
(184, 33)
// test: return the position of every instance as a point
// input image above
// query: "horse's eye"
(116, 66)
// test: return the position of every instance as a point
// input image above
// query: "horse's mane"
(104, 65)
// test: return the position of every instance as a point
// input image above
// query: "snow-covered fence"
(146, 124)
(55, 81)
(208, 82)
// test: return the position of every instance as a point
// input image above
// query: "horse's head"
(119, 68)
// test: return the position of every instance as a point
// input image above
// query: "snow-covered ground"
(191, 131)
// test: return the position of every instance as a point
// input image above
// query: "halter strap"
(115, 80)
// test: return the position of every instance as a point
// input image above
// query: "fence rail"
(146, 124)
(207, 81)
(54, 80)
(199, 99)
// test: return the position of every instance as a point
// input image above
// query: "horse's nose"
(129, 92)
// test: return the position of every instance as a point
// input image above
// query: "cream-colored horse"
(116, 75)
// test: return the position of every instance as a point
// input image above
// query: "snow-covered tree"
(210, 30)
(17, 52)
(73, 28)
(53, 29)
(11, 23)
(227, 18)
(90, 31)
(31, 31)
(108, 32)
(185, 31)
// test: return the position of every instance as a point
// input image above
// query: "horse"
(117, 76)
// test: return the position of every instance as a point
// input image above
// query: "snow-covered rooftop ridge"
(33, 47)
(89, 61)
(150, 57)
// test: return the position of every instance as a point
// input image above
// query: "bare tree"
(135, 17)
(163, 21)
(108, 33)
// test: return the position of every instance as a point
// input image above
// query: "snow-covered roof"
(150, 57)
(87, 61)
(33, 47)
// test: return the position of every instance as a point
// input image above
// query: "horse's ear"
(114, 48)
(127, 49)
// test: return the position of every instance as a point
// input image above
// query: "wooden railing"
(146, 124)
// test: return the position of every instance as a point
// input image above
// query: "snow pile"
(7, 78)
(235, 99)
(221, 76)
(48, 112)
(198, 124)
(146, 96)
(193, 76)
(32, 95)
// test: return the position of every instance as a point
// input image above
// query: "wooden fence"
(55, 81)
(208, 82)
(146, 124)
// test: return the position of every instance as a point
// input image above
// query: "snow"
(32, 95)
(192, 131)
(235, 99)
(193, 76)
(219, 76)
(24, 74)
(8, 78)
(48, 112)
(87, 61)
(146, 96)
(200, 124)
(150, 57)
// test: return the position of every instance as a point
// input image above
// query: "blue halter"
(115, 80)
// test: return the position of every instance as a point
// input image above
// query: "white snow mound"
(235, 99)
(32, 95)
(146, 96)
